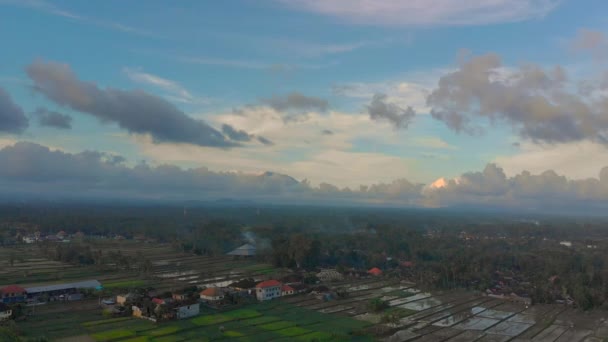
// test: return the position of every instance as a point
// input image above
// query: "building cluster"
(510, 286)
(14, 294)
(187, 303)
(48, 293)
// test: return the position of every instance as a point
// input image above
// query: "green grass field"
(257, 322)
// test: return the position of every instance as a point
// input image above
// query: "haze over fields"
(430, 103)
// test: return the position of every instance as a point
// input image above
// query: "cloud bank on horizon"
(31, 168)
(365, 106)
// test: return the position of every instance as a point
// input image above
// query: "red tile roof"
(268, 283)
(287, 288)
(12, 289)
(375, 271)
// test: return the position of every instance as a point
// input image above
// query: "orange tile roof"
(375, 271)
(268, 283)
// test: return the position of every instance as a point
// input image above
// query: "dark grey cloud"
(327, 132)
(295, 101)
(537, 103)
(32, 167)
(381, 110)
(135, 110)
(235, 134)
(53, 119)
(12, 118)
(265, 141)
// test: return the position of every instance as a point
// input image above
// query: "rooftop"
(12, 289)
(268, 283)
(212, 292)
(86, 284)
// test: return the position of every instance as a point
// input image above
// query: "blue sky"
(236, 62)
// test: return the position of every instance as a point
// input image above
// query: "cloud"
(427, 12)
(234, 134)
(35, 170)
(53, 119)
(327, 132)
(381, 110)
(136, 111)
(544, 191)
(300, 149)
(233, 63)
(570, 159)
(265, 141)
(536, 102)
(295, 101)
(47, 7)
(434, 143)
(176, 91)
(12, 118)
(411, 93)
(592, 42)
(30, 167)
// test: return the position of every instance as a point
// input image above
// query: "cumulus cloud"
(135, 110)
(547, 190)
(12, 118)
(33, 169)
(427, 12)
(536, 102)
(53, 119)
(381, 110)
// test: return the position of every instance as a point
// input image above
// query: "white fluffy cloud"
(571, 159)
(427, 12)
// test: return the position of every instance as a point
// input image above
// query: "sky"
(385, 102)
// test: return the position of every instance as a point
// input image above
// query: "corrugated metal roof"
(86, 284)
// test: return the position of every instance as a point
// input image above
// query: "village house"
(179, 296)
(12, 294)
(187, 311)
(268, 290)
(125, 298)
(212, 294)
(158, 301)
(375, 271)
(5, 312)
(287, 290)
